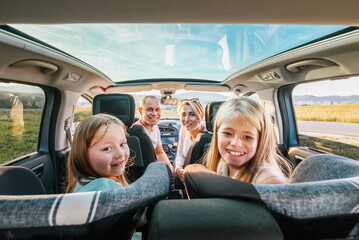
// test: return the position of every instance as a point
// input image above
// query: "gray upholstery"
(83, 208)
(322, 185)
(312, 199)
(324, 167)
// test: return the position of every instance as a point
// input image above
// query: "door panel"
(41, 164)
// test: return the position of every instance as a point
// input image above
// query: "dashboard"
(169, 129)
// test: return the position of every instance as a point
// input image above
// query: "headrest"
(120, 105)
(210, 112)
(328, 166)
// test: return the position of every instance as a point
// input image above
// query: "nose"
(236, 141)
(119, 152)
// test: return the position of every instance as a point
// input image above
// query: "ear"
(140, 110)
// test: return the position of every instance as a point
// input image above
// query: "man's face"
(151, 112)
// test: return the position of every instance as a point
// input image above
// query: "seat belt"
(67, 128)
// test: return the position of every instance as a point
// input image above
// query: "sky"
(344, 87)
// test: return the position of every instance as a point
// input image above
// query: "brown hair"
(267, 148)
(78, 165)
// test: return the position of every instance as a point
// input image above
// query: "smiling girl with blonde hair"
(243, 145)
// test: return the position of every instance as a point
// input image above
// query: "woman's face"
(237, 142)
(189, 119)
(109, 154)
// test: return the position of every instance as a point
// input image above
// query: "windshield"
(162, 51)
(170, 111)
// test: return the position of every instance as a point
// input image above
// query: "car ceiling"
(186, 11)
(209, 11)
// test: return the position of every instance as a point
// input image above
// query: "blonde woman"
(243, 145)
(191, 114)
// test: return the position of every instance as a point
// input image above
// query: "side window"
(83, 110)
(21, 108)
(327, 115)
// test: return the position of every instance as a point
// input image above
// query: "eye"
(227, 134)
(107, 149)
(123, 144)
(248, 137)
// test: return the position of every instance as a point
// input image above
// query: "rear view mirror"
(168, 100)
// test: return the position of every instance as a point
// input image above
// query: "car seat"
(110, 214)
(199, 148)
(321, 202)
(123, 107)
(16, 180)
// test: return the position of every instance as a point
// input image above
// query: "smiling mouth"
(118, 163)
(235, 153)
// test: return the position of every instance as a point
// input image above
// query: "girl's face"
(189, 119)
(237, 142)
(108, 157)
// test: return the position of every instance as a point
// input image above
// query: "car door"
(27, 125)
(320, 117)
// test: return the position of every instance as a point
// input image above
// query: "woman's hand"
(180, 174)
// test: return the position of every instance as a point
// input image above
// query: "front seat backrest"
(123, 107)
(198, 149)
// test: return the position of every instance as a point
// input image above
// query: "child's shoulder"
(100, 184)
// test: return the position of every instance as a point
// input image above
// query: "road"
(346, 129)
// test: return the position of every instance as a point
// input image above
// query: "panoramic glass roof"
(163, 51)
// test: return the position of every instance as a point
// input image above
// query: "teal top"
(97, 184)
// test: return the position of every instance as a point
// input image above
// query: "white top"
(223, 169)
(154, 135)
(184, 145)
(272, 169)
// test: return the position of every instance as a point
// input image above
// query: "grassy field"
(331, 145)
(348, 113)
(11, 149)
(82, 113)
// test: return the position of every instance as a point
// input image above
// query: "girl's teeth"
(236, 153)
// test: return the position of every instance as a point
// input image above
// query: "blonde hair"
(253, 112)
(196, 107)
(78, 165)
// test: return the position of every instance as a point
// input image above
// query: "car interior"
(47, 86)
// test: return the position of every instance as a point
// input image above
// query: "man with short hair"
(150, 115)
